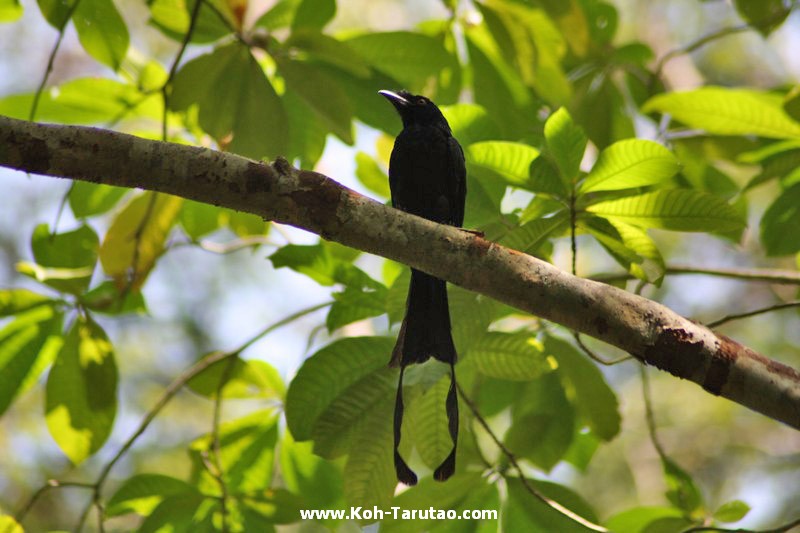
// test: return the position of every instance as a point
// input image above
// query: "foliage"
(555, 116)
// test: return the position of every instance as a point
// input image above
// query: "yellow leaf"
(136, 237)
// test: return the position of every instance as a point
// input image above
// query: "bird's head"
(415, 109)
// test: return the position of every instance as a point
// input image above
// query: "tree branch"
(646, 329)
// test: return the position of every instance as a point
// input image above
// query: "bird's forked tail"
(425, 333)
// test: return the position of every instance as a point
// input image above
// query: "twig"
(596, 357)
(218, 472)
(174, 68)
(51, 484)
(513, 461)
(572, 239)
(281, 323)
(649, 416)
(776, 307)
(60, 210)
(779, 529)
(51, 60)
(784, 277)
(165, 398)
(694, 45)
(236, 245)
(713, 36)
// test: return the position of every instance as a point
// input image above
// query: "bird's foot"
(476, 232)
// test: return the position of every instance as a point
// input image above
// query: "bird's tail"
(425, 333)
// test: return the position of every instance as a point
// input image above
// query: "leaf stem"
(775, 307)
(525, 483)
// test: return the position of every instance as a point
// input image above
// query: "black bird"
(427, 178)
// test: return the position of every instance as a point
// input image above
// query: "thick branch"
(648, 330)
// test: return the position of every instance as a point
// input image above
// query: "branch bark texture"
(648, 330)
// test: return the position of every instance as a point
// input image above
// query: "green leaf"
(512, 356)
(470, 316)
(303, 472)
(727, 112)
(55, 11)
(530, 41)
(791, 103)
(314, 14)
(503, 161)
(413, 59)
(781, 165)
(310, 44)
(398, 296)
(337, 426)
(566, 142)
(138, 235)
(780, 222)
(181, 513)
(732, 511)
(427, 421)
(244, 224)
(353, 304)
(101, 31)
(672, 209)
(600, 106)
(369, 477)
(110, 299)
(280, 15)
(327, 375)
(247, 454)
(543, 424)
(470, 123)
(173, 17)
(483, 200)
(261, 511)
(85, 101)
(545, 178)
(441, 496)
(651, 267)
(682, 491)
(322, 94)
(524, 512)
(142, 493)
(631, 246)
(235, 102)
(371, 175)
(81, 391)
(307, 133)
(319, 263)
(497, 86)
(10, 10)
(628, 164)
(68, 258)
(528, 237)
(28, 345)
(764, 15)
(595, 400)
(90, 199)
(13, 301)
(245, 379)
(198, 219)
(637, 519)
(582, 449)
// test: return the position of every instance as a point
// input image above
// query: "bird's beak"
(396, 100)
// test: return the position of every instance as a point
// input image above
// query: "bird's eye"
(421, 101)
